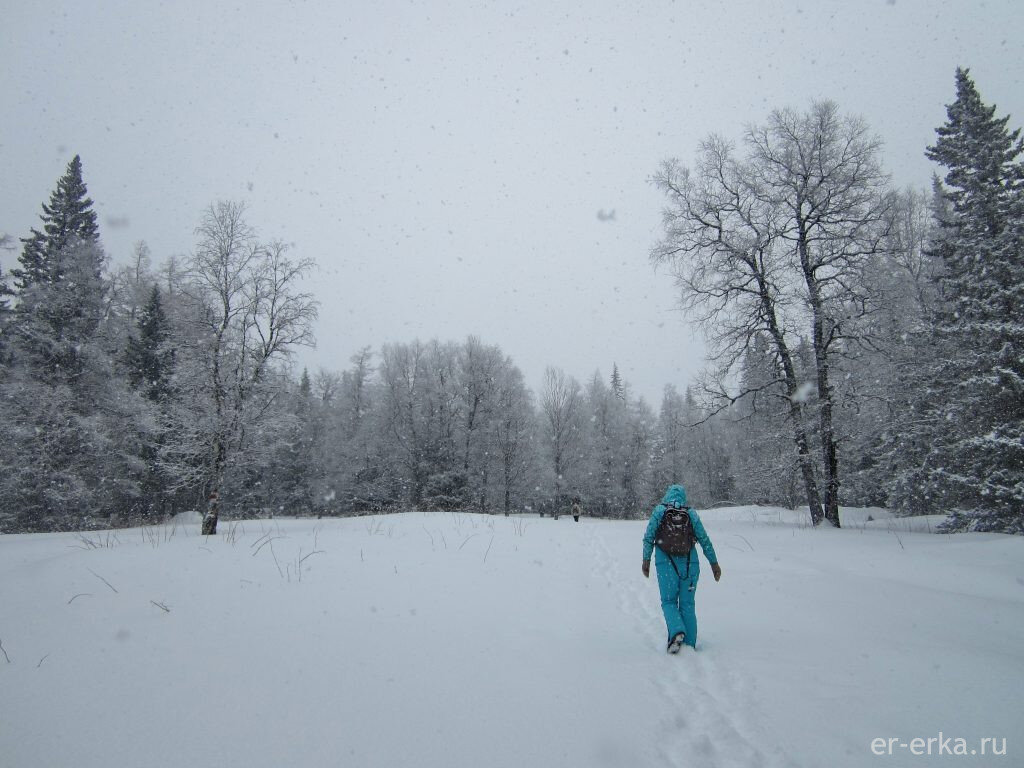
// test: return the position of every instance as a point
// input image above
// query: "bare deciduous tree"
(253, 313)
(777, 243)
(561, 403)
(479, 370)
(722, 244)
(821, 174)
(513, 431)
(404, 374)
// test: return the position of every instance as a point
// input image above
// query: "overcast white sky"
(445, 162)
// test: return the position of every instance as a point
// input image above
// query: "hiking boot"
(676, 643)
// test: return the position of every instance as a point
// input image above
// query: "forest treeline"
(864, 345)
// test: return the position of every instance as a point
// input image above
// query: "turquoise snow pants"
(678, 588)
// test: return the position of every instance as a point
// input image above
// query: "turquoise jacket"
(676, 494)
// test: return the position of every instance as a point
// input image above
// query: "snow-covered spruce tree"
(150, 359)
(7, 513)
(975, 463)
(618, 388)
(64, 411)
(67, 219)
(149, 356)
(6, 244)
(59, 283)
(6, 292)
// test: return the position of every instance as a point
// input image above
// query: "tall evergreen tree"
(618, 388)
(60, 285)
(68, 219)
(5, 290)
(5, 315)
(33, 262)
(65, 416)
(5, 294)
(150, 361)
(976, 458)
(149, 358)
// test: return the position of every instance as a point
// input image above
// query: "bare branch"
(90, 570)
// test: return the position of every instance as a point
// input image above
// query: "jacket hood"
(675, 496)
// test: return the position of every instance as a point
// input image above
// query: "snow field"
(462, 640)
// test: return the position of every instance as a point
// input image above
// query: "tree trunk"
(483, 490)
(806, 468)
(828, 445)
(213, 502)
(795, 411)
(558, 483)
(210, 519)
(830, 463)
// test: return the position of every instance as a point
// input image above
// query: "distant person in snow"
(577, 509)
(670, 534)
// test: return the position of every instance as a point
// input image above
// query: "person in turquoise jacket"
(677, 575)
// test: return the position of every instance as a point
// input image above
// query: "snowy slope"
(458, 640)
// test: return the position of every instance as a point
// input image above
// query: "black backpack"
(675, 532)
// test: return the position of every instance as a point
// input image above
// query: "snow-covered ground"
(445, 640)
